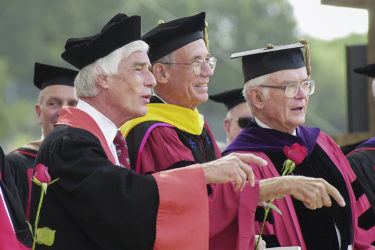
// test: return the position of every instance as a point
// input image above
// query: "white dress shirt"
(107, 127)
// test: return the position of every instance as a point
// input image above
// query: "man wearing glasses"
(277, 89)
(238, 115)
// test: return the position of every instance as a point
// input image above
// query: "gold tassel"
(307, 55)
(160, 21)
(205, 36)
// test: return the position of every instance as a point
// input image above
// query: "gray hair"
(165, 59)
(252, 83)
(373, 87)
(85, 82)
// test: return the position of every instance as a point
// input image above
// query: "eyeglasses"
(291, 89)
(198, 65)
(243, 122)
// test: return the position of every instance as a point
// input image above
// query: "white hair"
(252, 83)
(85, 82)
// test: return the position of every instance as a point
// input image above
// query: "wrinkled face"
(187, 89)
(52, 99)
(232, 129)
(129, 91)
(282, 113)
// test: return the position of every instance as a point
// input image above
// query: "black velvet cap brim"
(230, 98)
(46, 75)
(368, 70)
(170, 36)
(119, 31)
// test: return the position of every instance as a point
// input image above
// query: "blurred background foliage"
(36, 31)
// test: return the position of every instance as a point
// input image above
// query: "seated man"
(97, 204)
(238, 115)
(277, 89)
(56, 90)
(362, 158)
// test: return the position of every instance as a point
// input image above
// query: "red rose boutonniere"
(295, 154)
(45, 235)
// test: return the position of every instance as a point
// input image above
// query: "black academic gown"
(21, 163)
(13, 203)
(362, 161)
(94, 204)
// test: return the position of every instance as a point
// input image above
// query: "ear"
(257, 98)
(160, 72)
(38, 112)
(227, 125)
(102, 80)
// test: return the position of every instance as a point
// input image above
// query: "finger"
(250, 158)
(332, 191)
(249, 172)
(242, 175)
(326, 200)
(237, 180)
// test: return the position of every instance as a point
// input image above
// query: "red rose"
(296, 153)
(41, 173)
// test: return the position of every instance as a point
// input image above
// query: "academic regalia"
(362, 161)
(160, 141)
(98, 205)
(21, 163)
(310, 229)
(14, 232)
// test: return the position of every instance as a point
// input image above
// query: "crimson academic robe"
(362, 161)
(299, 226)
(169, 137)
(14, 234)
(21, 163)
(98, 205)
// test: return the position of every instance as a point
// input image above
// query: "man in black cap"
(173, 134)
(277, 89)
(97, 204)
(362, 158)
(238, 115)
(56, 90)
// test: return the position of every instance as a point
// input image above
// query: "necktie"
(121, 150)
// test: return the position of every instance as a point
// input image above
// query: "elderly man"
(362, 158)
(56, 90)
(173, 134)
(97, 204)
(238, 115)
(277, 89)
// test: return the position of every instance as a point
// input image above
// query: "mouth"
(298, 109)
(147, 97)
(202, 85)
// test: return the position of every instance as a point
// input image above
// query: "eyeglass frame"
(299, 84)
(201, 62)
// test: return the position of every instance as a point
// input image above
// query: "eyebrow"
(140, 64)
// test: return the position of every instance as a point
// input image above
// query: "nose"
(207, 71)
(150, 80)
(301, 94)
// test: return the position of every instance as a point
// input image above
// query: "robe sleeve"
(164, 150)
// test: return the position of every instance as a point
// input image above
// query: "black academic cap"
(119, 31)
(46, 75)
(170, 36)
(368, 70)
(265, 61)
(230, 98)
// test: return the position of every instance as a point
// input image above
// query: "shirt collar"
(263, 125)
(107, 127)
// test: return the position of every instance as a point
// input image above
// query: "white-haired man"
(277, 89)
(95, 203)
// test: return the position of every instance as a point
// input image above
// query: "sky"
(328, 22)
